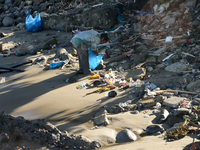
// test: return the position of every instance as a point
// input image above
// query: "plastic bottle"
(83, 84)
(131, 82)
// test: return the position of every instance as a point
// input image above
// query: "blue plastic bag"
(33, 24)
(56, 64)
(94, 60)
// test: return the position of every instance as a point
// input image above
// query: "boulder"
(176, 67)
(101, 118)
(126, 136)
(7, 21)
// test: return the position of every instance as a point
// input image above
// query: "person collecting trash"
(83, 41)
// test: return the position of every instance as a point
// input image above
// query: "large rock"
(176, 67)
(103, 17)
(193, 85)
(7, 21)
(126, 136)
(101, 118)
(173, 101)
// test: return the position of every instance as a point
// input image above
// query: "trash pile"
(176, 110)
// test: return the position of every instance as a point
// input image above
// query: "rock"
(114, 59)
(103, 17)
(7, 21)
(190, 4)
(101, 118)
(162, 116)
(126, 136)
(176, 67)
(193, 85)
(147, 103)
(135, 73)
(20, 52)
(82, 140)
(59, 27)
(173, 120)
(4, 137)
(173, 101)
(151, 60)
(140, 58)
(196, 22)
(49, 44)
(154, 129)
(5, 7)
(62, 54)
(32, 51)
(181, 111)
(8, 2)
(125, 66)
(37, 2)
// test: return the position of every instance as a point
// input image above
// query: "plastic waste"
(138, 83)
(131, 83)
(33, 24)
(94, 60)
(83, 84)
(95, 76)
(56, 64)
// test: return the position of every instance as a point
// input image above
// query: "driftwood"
(12, 69)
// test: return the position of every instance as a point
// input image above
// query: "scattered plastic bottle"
(83, 84)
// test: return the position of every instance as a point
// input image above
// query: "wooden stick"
(12, 69)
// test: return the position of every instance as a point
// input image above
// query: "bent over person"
(82, 41)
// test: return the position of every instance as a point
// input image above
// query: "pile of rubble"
(40, 132)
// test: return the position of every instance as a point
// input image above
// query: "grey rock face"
(7, 21)
(126, 136)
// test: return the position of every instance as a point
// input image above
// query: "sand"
(36, 94)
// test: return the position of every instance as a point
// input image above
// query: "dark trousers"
(83, 57)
